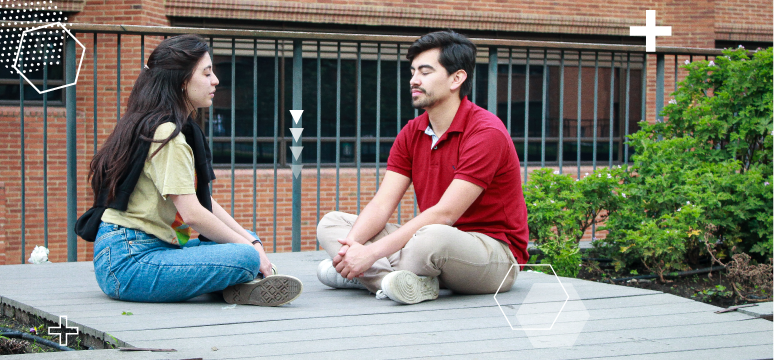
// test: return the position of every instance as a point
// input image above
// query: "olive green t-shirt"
(169, 172)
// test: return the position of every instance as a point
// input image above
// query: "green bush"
(711, 159)
(561, 209)
(703, 176)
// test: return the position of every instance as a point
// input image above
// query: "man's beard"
(427, 102)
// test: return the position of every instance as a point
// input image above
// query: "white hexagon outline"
(557, 280)
(18, 50)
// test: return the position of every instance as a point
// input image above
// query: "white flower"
(711, 63)
(534, 204)
(679, 209)
(619, 166)
(556, 172)
(39, 255)
(599, 175)
(772, 133)
(609, 176)
(624, 195)
(687, 62)
(688, 202)
(673, 101)
(552, 201)
(741, 47)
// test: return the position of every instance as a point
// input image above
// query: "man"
(473, 223)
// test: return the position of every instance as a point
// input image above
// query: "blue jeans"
(135, 266)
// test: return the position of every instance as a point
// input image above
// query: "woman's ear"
(458, 78)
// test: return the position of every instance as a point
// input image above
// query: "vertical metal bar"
(416, 114)
(378, 108)
(338, 119)
(578, 123)
(544, 107)
(492, 83)
(118, 78)
(142, 51)
(659, 87)
(612, 117)
(643, 86)
(415, 202)
(45, 154)
(233, 119)
(626, 125)
(526, 120)
(474, 84)
(94, 86)
(358, 125)
(596, 98)
(23, 165)
(319, 134)
(72, 170)
(255, 133)
(561, 111)
(297, 105)
(594, 135)
(397, 101)
(276, 125)
(675, 72)
(510, 91)
(211, 135)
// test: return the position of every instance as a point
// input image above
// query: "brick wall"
(3, 226)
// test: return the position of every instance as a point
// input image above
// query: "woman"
(151, 179)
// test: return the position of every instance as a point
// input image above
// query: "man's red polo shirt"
(476, 148)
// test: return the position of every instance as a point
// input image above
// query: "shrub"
(561, 209)
(706, 172)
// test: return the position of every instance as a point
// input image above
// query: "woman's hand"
(265, 267)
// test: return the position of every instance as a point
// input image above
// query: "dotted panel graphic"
(32, 49)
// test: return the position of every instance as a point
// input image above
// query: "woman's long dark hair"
(157, 97)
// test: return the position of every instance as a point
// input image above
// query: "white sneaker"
(406, 287)
(328, 275)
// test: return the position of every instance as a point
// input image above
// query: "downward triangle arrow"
(296, 151)
(296, 115)
(296, 169)
(296, 133)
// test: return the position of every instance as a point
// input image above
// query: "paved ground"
(598, 321)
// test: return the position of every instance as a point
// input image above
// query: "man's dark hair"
(457, 52)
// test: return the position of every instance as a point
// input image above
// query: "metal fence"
(548, 129)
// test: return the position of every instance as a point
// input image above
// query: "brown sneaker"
(273, 290)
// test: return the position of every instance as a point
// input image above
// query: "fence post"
(492, 85)
(72, 188)
(659, 87)
(297, 105)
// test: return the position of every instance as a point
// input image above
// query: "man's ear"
(458, 78)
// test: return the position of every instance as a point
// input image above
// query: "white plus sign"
(650, 30)
(63, 329)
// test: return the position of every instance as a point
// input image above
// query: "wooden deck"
(598, 321)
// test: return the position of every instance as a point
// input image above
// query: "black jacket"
(87, 225)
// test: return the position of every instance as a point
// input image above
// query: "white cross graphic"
(650, 30)
(63, 329)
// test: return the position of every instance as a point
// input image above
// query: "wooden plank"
(442, 330)
(598, 312)
(622, 321)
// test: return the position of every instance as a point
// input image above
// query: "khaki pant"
(464, 262)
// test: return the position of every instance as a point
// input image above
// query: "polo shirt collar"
(460, 118)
